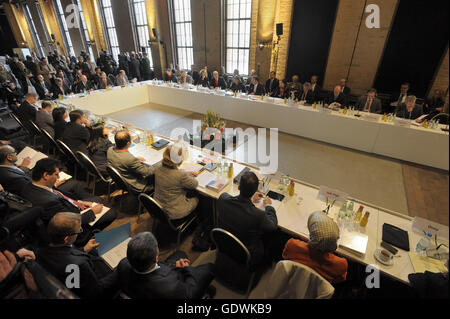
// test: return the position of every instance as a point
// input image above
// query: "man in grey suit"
(121, 78)
(369, 103)
(44, 119)
(139, 175)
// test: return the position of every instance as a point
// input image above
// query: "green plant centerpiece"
(211, 124)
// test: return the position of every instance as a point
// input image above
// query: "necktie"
(271, 83)
(368, 104)
(217, 83)
(70, 200)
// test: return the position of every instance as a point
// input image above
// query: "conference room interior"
(346, 101)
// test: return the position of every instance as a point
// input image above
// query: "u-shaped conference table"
(293, 211)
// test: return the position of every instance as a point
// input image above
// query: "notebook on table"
(34, 156)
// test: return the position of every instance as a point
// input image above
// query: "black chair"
(160, 215)
(52, 142)
(123, 185)
(26, 129)
(35, 131)
(443, 118)
(233, 261)
(70, 156)
(93, 171)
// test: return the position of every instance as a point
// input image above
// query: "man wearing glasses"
(63, 230)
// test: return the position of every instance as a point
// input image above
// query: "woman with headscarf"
(318, 252)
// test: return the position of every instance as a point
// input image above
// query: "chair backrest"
(292, 280)
(68, 152)
(14, 116)
(155, 209)
(51, 140)
(89, 165)
(442, 117)
(229, 245)
(35, 129)
(120, 182)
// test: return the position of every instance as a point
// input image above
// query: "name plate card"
(370, 117)
(325, 110)
(402, 122)
(332, 195)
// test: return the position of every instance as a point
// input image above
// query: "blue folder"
(111, 238)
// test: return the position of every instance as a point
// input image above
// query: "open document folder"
(113, 244)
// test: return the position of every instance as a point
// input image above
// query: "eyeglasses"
(73, 234)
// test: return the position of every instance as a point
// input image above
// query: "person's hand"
(97, 209)
(141, 159)
(257, 197)
(86, 204)
(326, 105)
(195, 174)
(7, 264)
(90, 245)
(181, 263)
(26, 161)
(5, 142)
(338, 104)
(26, 254)
(267, 201)
(418, 121)
(59, 182)
(1, 188)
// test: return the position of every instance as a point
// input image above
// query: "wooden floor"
(427, 193)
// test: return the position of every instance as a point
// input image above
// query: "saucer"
(377, 254)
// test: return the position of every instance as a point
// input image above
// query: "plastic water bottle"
(423, 244)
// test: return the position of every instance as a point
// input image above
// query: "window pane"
(183, 33)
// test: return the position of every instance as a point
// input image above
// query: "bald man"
(133, 169)
(63, 230)
(336, 97)
(83, 85)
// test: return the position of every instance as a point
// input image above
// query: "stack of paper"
(422, 264)
(34, 156)
(191, 167)
(113, 244)
(205, 178)
(354, 242)
(97, 216)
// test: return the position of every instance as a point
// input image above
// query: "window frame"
(32, 27)
(83, 30)
(189, 49)
(106, 29)
(136, 27)
(59, 13)
(239, 48)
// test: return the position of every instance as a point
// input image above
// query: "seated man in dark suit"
(28, 109)
(272, 84)
(409, 110)
(60, 89)
(76, 135)
(256, 88)
(42, 192)
(194, 74)
(43, 88)
(217, 82)
(83, 85)
(142, 276)
(94, 275)
(336, 97)
(435, 104)
(306, 95)
(243, 219)
(237, 85)
(15, 177)
(139, 175)
(369, 103)
(344, 88)
(44, 119)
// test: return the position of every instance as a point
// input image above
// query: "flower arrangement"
(213, 120)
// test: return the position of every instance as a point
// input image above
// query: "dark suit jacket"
(167, 282)
(167, 79)
(40, 90)
(279, 95)
(80, 87)
(339, 99)
(60, 127)
(56, 259)
(101, 85)
(135, 69)
(57, 91)
(402, 112)
(98, 154)
(52, 203)
(195, 76)
(309, 97)
(259, 90)
(239, 88)
(275, 85)
(222, 84)
(14, 179)
(76, 137)
(239, 216)
(204, 82)
(374, 108)
(45, 121)
(347, 91)
(26, 112)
